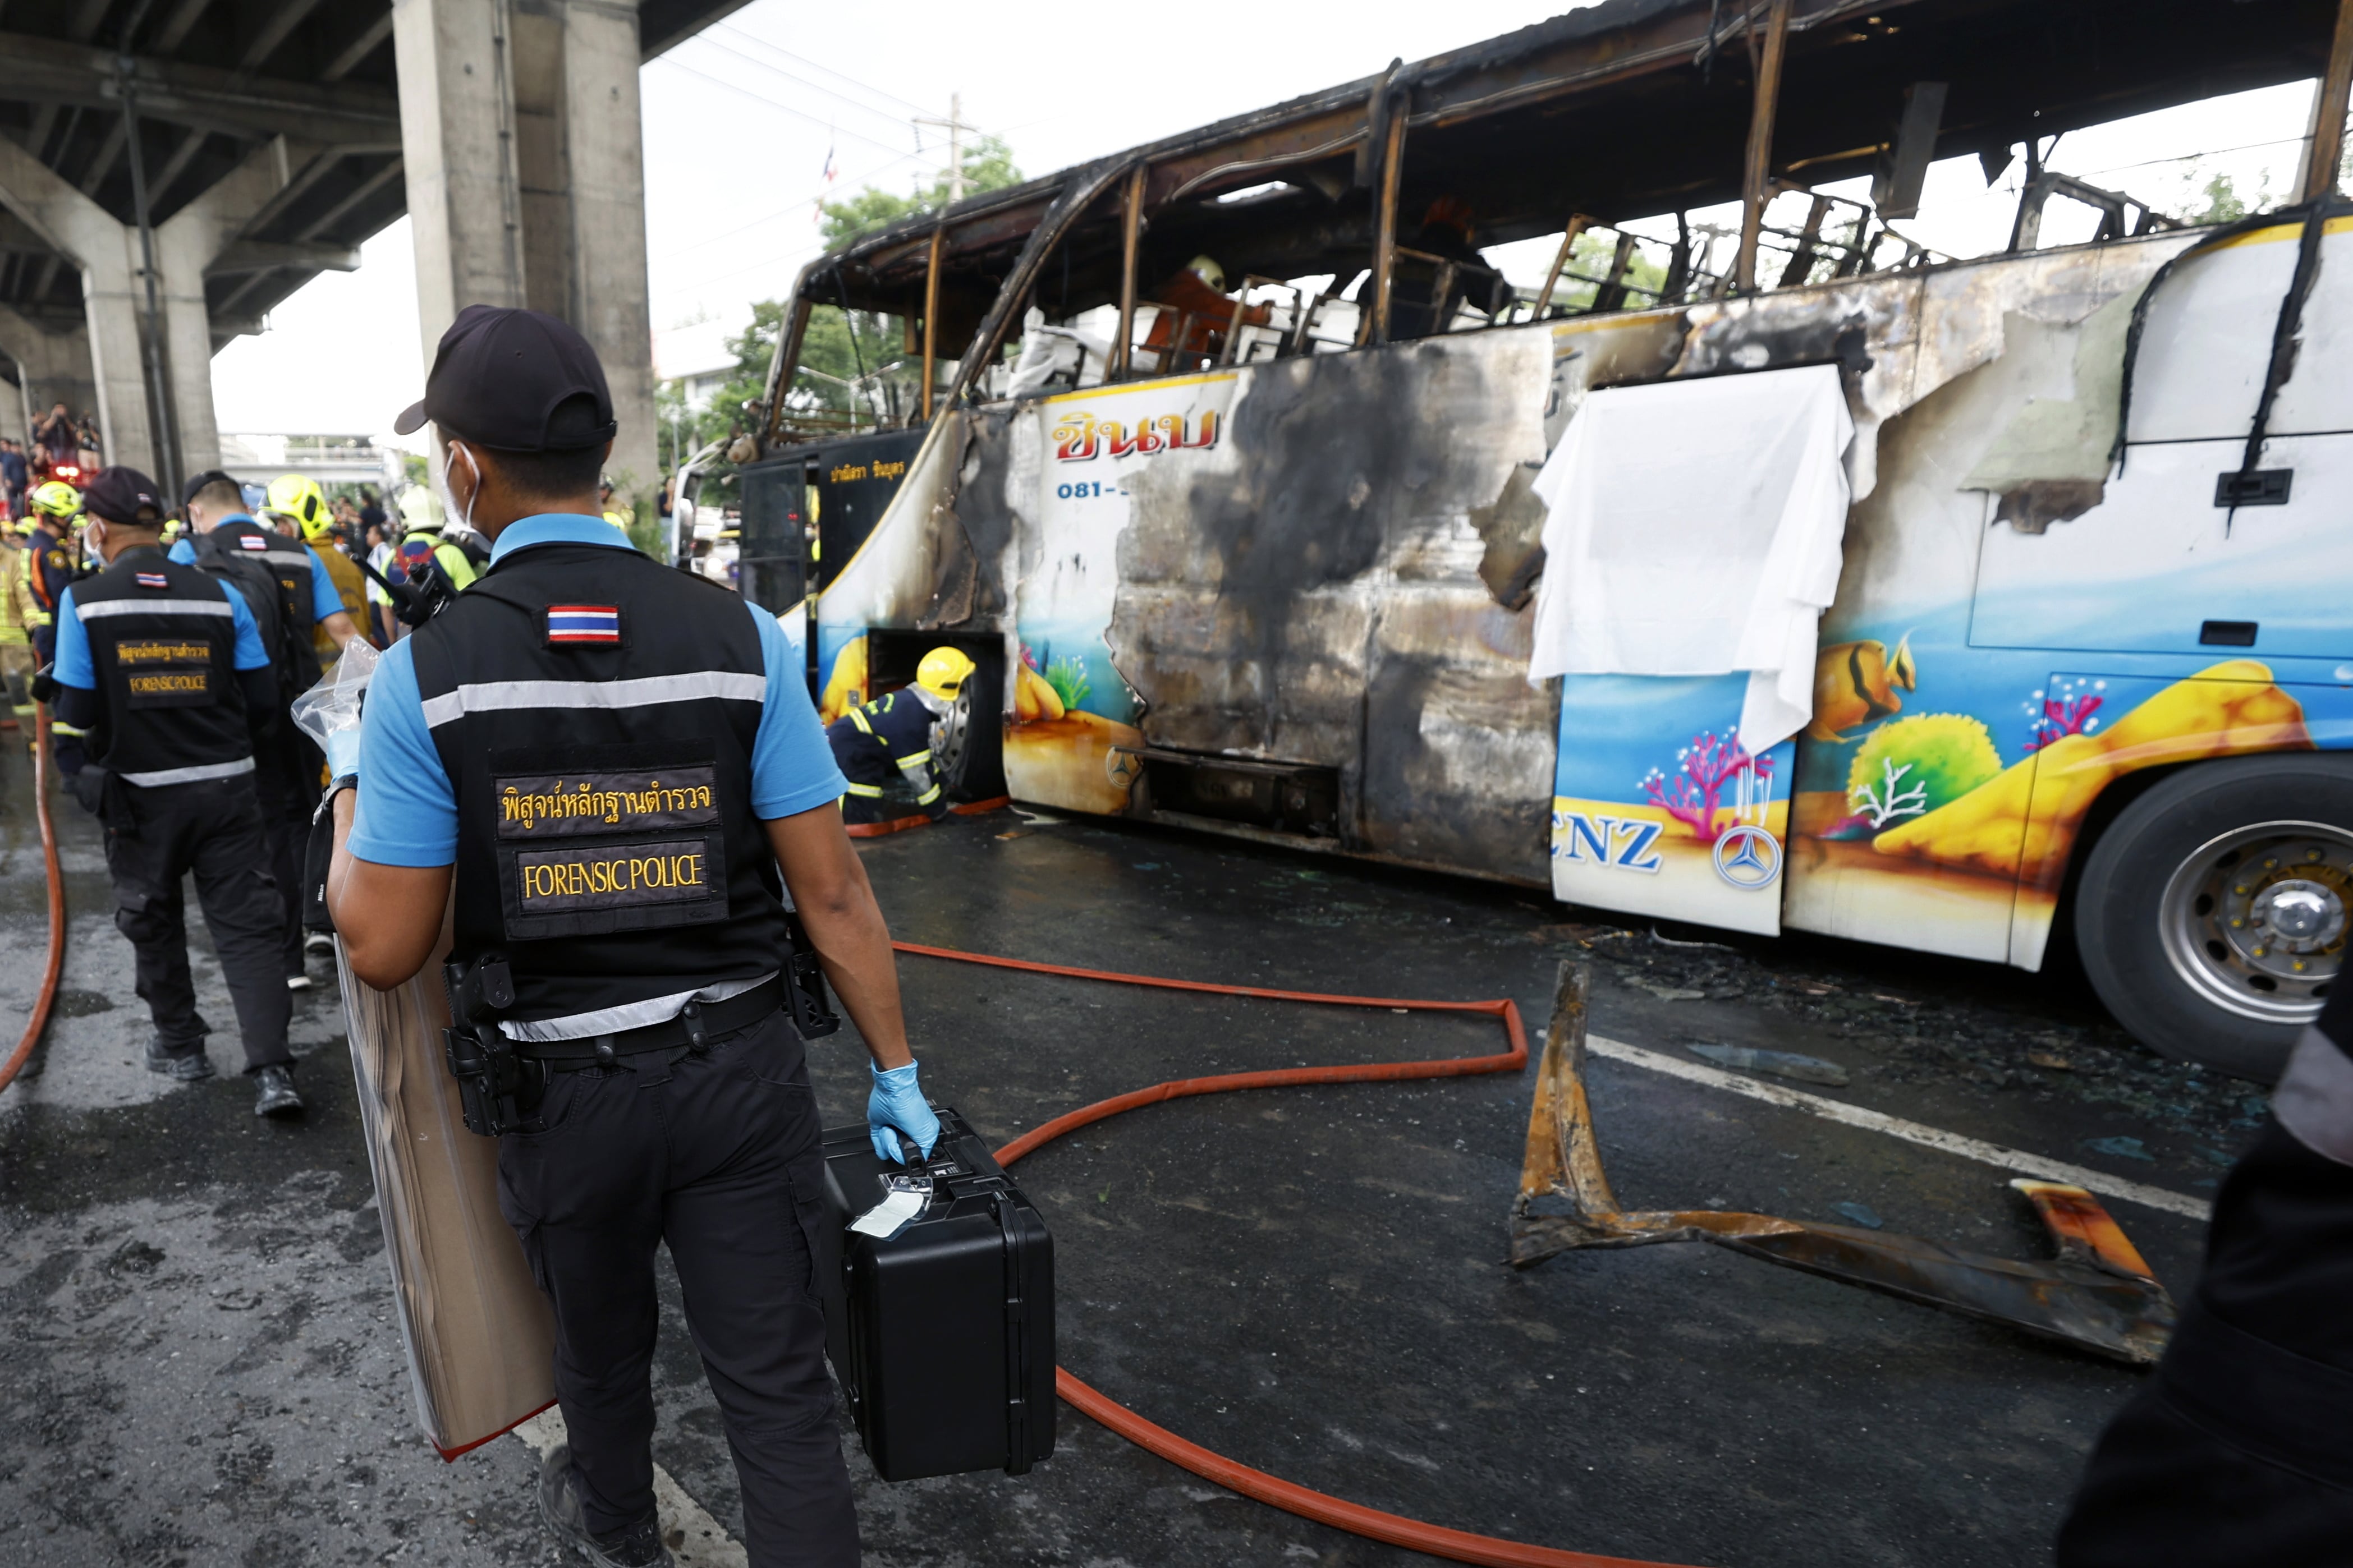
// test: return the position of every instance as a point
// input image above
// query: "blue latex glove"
(895, 1106)
(344, 754)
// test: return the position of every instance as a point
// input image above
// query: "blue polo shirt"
(325, 599)
(406, 812)
(74, 668)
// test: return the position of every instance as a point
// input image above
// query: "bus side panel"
(1071, 738)
(1912, 778)
(1657, 809)
(1345, 588)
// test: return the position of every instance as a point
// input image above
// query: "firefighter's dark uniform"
(289, 777)
(160, 663)
(877, 741)
(593, 739)
(2239, 1449)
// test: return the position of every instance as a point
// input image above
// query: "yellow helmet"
(298, 495)
(617, 520)
(942, 671)
(56, 498)
(25, 525)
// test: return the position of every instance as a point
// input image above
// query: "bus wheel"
(2212, 915)
(968, 744)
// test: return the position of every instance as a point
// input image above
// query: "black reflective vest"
(163, 640)
(288, 562)
(595, 712)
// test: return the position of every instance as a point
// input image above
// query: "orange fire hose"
(1460, 1546)
(41, 1003)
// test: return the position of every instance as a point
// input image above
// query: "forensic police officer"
(162, 665)
(227, 540)
(2239, 1449)
(641, 938)
(892, 735)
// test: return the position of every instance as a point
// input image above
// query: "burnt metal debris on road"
(205, 1366)
(2098, 1293)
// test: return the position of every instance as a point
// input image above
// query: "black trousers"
(2238, 1452)
(718, 1156)
(215, 831)
(289, 793)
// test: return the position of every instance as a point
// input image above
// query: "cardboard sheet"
(480, 1336)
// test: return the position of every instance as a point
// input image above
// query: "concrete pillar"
(52, 367)
(112, 299)
(521, 138)
(197, 237)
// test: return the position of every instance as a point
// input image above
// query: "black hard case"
(943, 1336)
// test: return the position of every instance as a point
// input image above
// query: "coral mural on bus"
(1657, 807)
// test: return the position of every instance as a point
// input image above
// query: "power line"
(815, 64)
(757, 64)
(830, 127)
(791, 208)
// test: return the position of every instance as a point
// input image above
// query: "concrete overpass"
(170, 169)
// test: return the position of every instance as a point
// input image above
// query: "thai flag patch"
(252, 541)
(571, 626)
(154, 579)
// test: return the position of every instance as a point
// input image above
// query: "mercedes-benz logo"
(1746, 856)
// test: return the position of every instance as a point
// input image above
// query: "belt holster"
(498, 1091)
(812, 1014)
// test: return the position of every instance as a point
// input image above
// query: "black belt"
(697, 1024)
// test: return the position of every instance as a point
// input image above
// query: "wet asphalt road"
(202, 1367)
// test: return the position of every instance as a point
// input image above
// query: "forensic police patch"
(573, 625)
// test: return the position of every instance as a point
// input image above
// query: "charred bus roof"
(1623, 111)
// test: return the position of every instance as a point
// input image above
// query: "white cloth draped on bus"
(1694, 529)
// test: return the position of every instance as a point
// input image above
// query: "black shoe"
(188, 1067)
(274, 1092)
(320, 944)
(637, 1546)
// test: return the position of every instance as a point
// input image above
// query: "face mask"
(449, 507)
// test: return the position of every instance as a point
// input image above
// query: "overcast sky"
(739, 122)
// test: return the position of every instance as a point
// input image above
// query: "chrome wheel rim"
(2255, 921)
(952, 733)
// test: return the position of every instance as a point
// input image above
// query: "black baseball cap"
(121, 495)
(499, 376)
(205, 480)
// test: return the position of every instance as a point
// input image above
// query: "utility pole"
(955, 128)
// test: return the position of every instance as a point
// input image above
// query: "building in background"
(331, 460)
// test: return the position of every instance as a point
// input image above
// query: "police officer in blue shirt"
(226, 533)
(611, 774)
(164, 668)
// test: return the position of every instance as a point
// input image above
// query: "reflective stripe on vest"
(650, 691)
(191, 775)
(105, 607)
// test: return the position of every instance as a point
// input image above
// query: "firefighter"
(19, 614)
(162, 665)
(52, 554)
(426, 551)
(893, 736)
(2239, 1449)
(296, 498)
(50, 567)
(640, 946)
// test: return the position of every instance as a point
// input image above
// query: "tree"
(987, 166)
(843, 351)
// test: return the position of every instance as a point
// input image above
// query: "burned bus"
(1254, 484)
